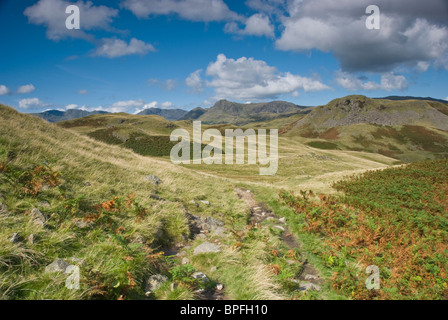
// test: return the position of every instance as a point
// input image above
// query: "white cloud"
(4, 90)
(31, 103)
(170, 84)
(83, 92)
(256, 25)
(125, 106)
(51, 14)
(167, 105)
(155, 104)
(26, 89)
(72, 106)
(193, 10)
(389, 82)
(250, 79)
(412, 33)
(194, 81)
(113, 48)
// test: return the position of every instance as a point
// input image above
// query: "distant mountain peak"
(58, 115)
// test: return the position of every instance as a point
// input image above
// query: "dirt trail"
(260, 212)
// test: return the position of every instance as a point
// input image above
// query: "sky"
(129, 55)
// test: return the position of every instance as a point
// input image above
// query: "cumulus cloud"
(271, 7)
(256, 25)
(125, 106)
(135, 106)
(193, 10)
(26, 89)
(413, 33)
(31, 103)
(250, 79)
(389, 82)
(113, 48)
(155, 104)
(4, 90)
(194, 81)
(170, 84)
(51, 14)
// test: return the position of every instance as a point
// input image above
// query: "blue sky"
(134, 54)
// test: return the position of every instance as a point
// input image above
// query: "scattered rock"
(195, 203)
(172, 286)
(308, 286)
(280, 227)
(206, 247)
(32, 239)
(220, 231)
(207, 203)
(154, 282)
(16, 238)
(212, 223)
(38, 217)
(185, 260)
(154, 179)
(201, 236)
(44, 204)
(77, 261)
(81, 224)
(182, 254)
(219, 287)
(310, 277)
(200, 276)
(282, 220)
(213, 269)
(87, 184)
(57, 265)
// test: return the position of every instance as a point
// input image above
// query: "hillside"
(395, 219)
(168, 114)
(100, 193)
(194, 114)
(113, 214)
(401, 98)
(225, 111)
(56, 115)
(408, 130)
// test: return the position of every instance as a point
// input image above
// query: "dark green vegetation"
(396, 219)
(323, 145)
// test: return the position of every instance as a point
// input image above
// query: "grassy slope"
(300, 166)
(115, 263)
(417, 134)
(395, 219)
